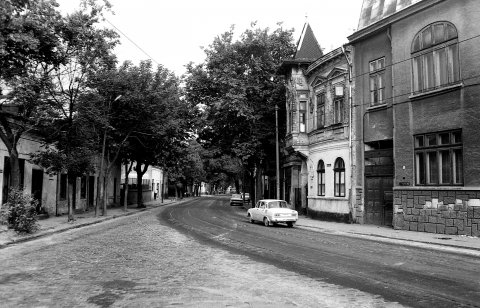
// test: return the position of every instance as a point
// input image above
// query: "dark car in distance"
(236, 199)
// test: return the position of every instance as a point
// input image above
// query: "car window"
(236, 196)
(262, 205)
(277, 204)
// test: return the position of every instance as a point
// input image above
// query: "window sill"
(328, 198)
(377, 107)
(439, 188)
(435, 91)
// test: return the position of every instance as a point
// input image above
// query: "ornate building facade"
(317, 167)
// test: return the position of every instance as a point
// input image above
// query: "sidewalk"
(452, 243)
(55, 224)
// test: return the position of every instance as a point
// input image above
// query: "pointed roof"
(307, 46)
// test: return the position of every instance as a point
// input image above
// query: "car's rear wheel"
(266, 222)
(290, 224)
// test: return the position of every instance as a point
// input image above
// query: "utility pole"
(277, 155)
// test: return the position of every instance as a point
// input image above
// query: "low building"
(51, 189)
(154, 184)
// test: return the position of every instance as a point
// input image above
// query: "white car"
(272, 211)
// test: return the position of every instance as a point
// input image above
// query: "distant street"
(213, 257)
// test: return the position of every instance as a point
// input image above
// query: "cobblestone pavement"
(136, 261)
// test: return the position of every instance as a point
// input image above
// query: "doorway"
(379, 200)
(91, 190)
(37, 187)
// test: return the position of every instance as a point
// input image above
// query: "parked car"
(236, 199)
(272, 211)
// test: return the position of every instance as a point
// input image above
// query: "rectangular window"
(302, 116)
(439, 158)
(340, 184)
(377, 82)
(321, 110)
(338, 111)
(321, 183)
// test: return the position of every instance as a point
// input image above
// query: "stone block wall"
(358, 206)
(450, 212)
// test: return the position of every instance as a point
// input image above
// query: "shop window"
(439, 158)
(339, 171)
(321, 178)
(435, 60)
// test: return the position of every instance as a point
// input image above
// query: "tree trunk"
(101, 176)
(14, 169)
(71, 216)
(104, 196)
(128, 168)
(140, 174)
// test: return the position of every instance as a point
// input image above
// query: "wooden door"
(378, 205)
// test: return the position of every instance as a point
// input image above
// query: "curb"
(101, 219)
(462, 250)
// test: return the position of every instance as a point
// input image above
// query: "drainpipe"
(350, 128)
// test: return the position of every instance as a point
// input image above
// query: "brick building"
(420, 61)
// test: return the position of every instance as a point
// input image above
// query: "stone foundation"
(326, 216)
(452, 212)
(358, 207)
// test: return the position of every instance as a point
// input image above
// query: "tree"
(104, 108)
(85, 49)
(158, 117)
(30, 40)
(238, 86)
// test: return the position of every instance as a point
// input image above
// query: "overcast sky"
(172, 32)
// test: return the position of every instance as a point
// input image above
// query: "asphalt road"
(410, 276)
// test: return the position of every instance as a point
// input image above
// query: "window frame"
(321, 100)
(338, 115)
(339, 178)
(435, 64)
(321, 178)
(302, 116)
(428, 151)
(376, 74)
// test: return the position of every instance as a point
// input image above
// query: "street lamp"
(277, 156)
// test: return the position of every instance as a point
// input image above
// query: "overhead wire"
(131, 41)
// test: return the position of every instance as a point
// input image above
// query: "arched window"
(321, 178)
(435, 57)
(339, 170)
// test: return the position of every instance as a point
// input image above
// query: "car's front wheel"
(266, 222)
(251, 219)
(290, 224)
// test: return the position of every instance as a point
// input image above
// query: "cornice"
(387, 21)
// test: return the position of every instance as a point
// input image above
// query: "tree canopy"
(238, 87)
